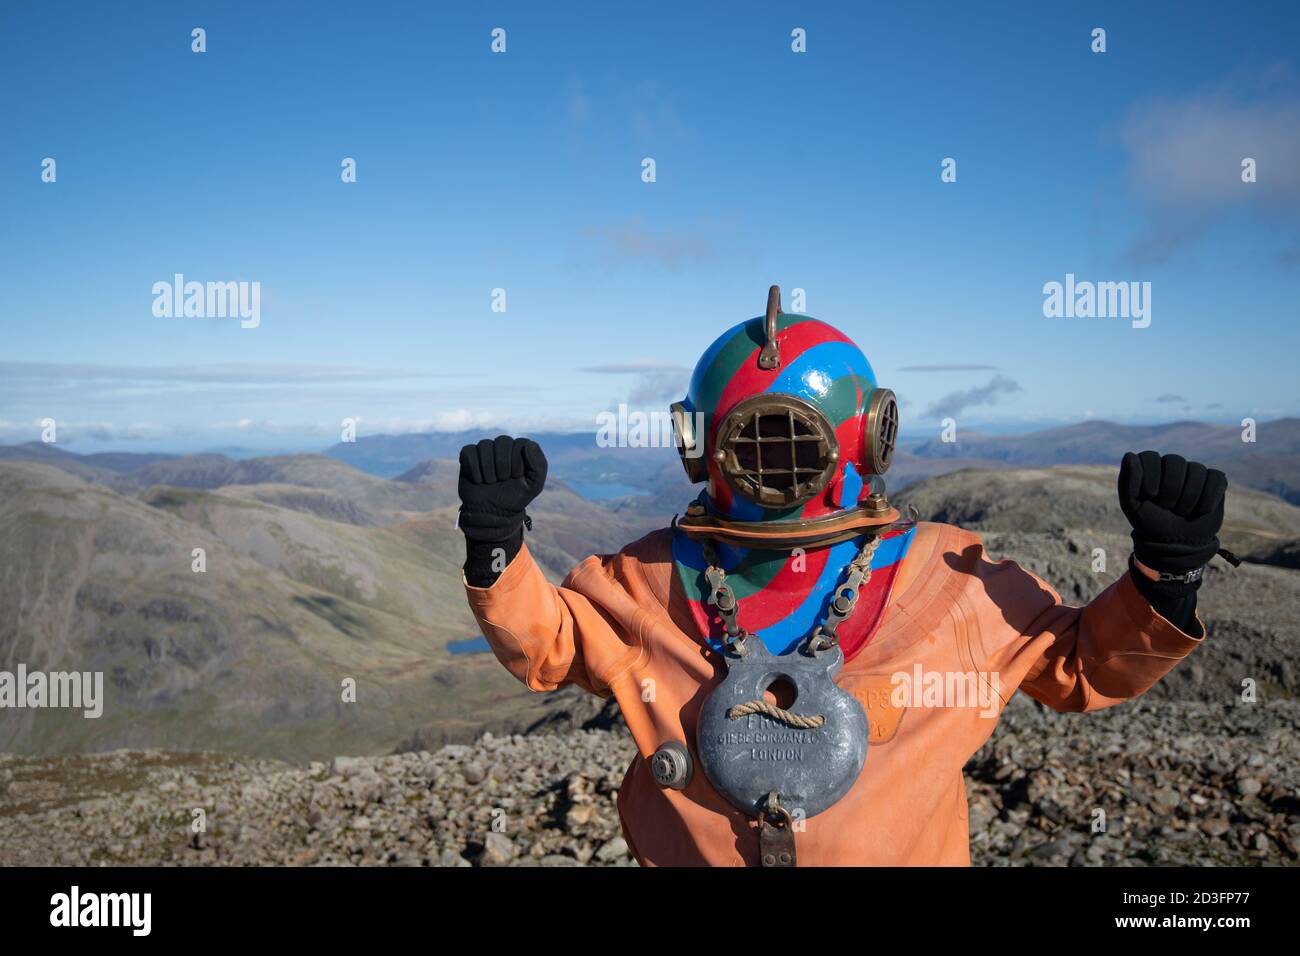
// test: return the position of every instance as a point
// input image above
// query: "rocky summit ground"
(1207, 788)
(521, 800)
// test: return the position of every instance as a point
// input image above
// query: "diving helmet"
(785, 423)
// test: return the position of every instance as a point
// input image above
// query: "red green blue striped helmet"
(785, 421)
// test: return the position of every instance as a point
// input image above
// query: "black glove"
(498, 480)
(1175, 507)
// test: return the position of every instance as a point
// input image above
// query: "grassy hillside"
(248, 656)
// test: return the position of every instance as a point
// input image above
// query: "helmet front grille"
(778, 455)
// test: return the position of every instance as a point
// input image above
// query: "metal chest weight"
(808, 754)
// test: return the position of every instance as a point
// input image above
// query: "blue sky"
(522, 171)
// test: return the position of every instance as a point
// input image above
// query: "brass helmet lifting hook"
(770, 357)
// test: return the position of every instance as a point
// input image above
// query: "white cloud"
(633, 242)
(954, 403)
(1189, 150)
(1185, 161)
(220, 374)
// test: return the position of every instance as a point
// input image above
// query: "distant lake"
(604, 490)
(474, 645)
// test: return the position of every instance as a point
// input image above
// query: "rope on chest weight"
(776, 713)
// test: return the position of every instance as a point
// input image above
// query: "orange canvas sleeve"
(550, 636)
(1070, 658)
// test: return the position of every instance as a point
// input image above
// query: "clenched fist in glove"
(498, 480)
(1176, 509)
